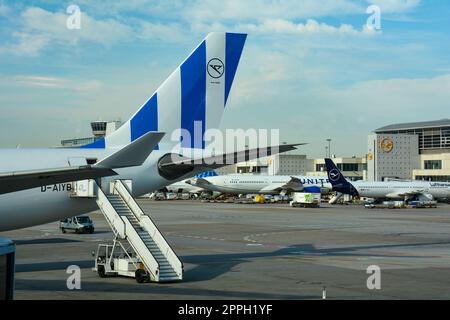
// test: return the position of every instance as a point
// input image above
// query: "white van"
(80, 224)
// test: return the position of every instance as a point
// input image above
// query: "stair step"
(162, 279)
(166, 268)
(172, 276)
(167, 275)
(166, 271)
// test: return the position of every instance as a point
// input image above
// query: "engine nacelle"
(172, 171)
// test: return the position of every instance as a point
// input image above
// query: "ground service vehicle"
(117, 260)
(305, 200)
(79, 224)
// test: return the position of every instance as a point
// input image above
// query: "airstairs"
(129, 223)
(336, 198)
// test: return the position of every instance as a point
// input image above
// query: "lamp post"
(329, 147)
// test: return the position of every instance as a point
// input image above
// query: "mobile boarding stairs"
(134, 229)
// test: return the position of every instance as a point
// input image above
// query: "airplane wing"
(22, 180)
(401, 194)
(174, 169)
(198, 182)
(294, 184)
(134, 154)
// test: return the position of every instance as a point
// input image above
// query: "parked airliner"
(35, 183)
(262, 184)
(187, 186)
(404, 190)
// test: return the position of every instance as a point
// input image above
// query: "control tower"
(99, 128)
(102, 128)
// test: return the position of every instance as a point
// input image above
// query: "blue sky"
(310, 68)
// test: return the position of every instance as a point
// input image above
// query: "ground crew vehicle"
(79, 224)
(305, 200)
(117, 260)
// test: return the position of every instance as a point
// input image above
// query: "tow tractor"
(118, 260)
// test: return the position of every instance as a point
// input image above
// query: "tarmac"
(255, 251)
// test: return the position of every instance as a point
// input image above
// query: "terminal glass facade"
(98, 125)
(429, 138)
(431, 148)
(432, 164)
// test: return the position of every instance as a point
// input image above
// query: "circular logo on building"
(215, 68)
(370, 156)
(334, 175)
(386, 145)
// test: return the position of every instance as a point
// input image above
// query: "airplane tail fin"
(337, 179)
(205, 174)
(192, 98)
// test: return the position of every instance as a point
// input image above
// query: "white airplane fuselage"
(259, 184)
(397, 189)
(182, 186)
(46, 204)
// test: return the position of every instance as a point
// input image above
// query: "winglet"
(134, 154)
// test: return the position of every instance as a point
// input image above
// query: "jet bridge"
(129, 223)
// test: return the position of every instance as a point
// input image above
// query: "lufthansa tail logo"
(334, 175)
(215, 68)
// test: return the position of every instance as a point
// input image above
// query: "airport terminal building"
(353, 168)
(418, 151)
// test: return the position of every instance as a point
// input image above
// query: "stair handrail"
(165, 248)
(148, 224)
(114, 220)
(140, 247)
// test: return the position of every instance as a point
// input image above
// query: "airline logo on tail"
(334, 175)
(338, 181)
(215, 68)
(191, 100)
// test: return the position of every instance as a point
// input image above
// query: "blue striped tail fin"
(192, 98)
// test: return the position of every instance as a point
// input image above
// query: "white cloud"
(53, 25)
(4, 10)
(25, 44)
(398, 97)
(41, 81)
(237, 10)
(169, 33)
(395, 6)
(52, 82)
(311, 26)
(40, 28)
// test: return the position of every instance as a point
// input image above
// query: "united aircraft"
(404, 190)
(262, 184)
(141, 150)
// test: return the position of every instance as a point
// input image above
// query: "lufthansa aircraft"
(405, 190)
(35, 183)
(262, 184)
